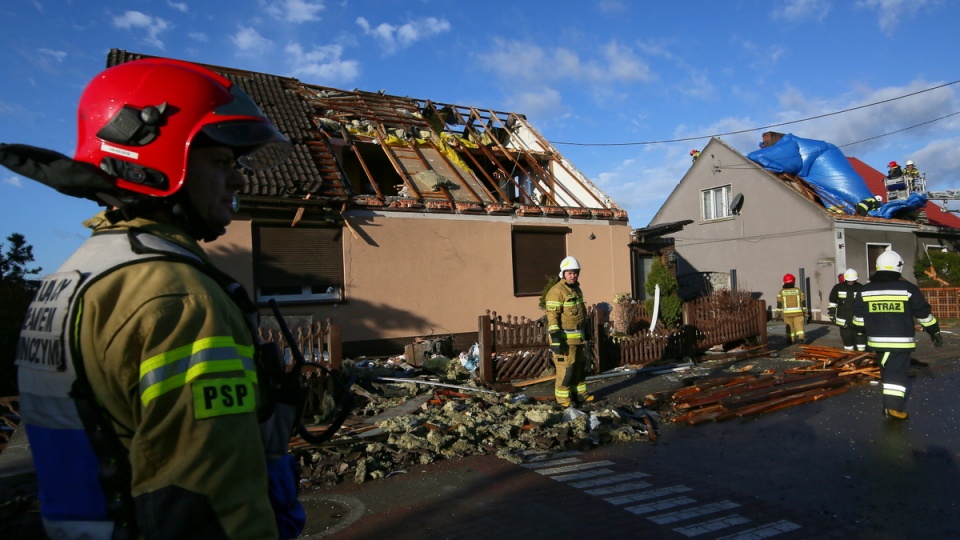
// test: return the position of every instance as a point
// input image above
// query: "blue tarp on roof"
(900, 207)
(821, 164)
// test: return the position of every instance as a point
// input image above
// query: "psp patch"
(220, 397)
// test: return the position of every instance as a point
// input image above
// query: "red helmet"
(789, 279)
(891, 165)
(694, 151)
(137, 120)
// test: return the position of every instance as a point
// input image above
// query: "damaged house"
(399, 218)
(749, 225)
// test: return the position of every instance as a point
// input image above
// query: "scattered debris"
(828, 372)
(412, 421)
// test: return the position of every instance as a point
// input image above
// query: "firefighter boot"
(894, 414)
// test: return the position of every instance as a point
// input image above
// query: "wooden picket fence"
(321, 345)
(513, 348)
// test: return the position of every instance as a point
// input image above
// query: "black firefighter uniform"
(842, 298)
(566, 315)
(886, 311)
(793, 305)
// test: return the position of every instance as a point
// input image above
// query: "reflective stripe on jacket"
(566, 311)
(887, 310)
(842, 297)
(790, 301)
(169, 357)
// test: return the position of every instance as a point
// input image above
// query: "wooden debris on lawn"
(829, 372)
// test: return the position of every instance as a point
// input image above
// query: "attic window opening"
(715, 203)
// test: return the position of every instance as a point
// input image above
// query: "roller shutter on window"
(537, 253)
(299, 257)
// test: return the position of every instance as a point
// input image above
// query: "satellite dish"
(736, 203)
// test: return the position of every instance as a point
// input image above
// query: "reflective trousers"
(794, 322)
(570, 380)
(895, 374)
(852, 338)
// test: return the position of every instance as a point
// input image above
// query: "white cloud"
(870, 124)
(538, 104)
(697, 85)
(135, 20)
(891, 12)
(761, 58)
(639, 186)
(516, 60)
(248, 40)
(393, 38)
(295, 11)
(801, 10)
(179, 6)
(13, 181)
(199, 36)
(56, 56)
(939, 161)
(612, 6)
(322, 65)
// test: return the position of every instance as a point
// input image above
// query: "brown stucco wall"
(420, 274)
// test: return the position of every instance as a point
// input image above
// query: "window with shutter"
(537, 252)
(298, 264)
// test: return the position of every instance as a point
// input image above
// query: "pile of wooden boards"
(826, 372)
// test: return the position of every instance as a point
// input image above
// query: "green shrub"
(671, 306)
(946, 265)
(551, 281)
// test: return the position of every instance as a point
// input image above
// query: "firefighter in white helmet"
(842, 297)
(886, 311)
(568, 332)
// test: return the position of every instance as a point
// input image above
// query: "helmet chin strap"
(178, 210)
(187, 217)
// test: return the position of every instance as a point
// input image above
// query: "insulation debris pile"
(826, 372)
(407, 423)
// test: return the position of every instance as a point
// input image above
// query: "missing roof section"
(401, 151)
(371, 149)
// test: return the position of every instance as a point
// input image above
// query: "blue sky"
(637, 84)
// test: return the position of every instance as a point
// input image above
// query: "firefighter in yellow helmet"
(793, 305)
(567, 328)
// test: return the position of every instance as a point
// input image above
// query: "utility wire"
(817, 117)
(899, 130)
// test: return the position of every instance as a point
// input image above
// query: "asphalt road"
(828, 469)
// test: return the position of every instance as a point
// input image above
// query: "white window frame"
(715, 203)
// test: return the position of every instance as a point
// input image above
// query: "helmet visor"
(258, 144)
(246, 129)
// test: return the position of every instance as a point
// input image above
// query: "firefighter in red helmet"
(694, 154)
(145, 401)
(894, 170)
(792, 306)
